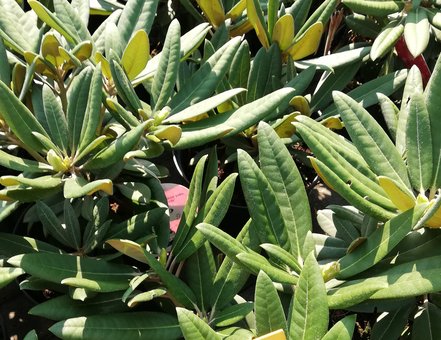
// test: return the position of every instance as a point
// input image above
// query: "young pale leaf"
(213, 10)
(269, 311)
(193, 327)
(417, 31)
(371, 140)
(309, 313)
(402, 197)
(284, 178)
(136, 54)
(7, 275)
(146, 296)
(283, 32)
(380, 242)
(262, 203)
(386, 39)
(167, 71)
(433, 102)
(418, 144)
(257, 20)
(343, 329)
(141, 325)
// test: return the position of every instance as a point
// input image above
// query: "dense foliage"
(274, 93)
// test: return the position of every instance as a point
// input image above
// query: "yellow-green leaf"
(283, 32)
(136, 54)
(171, 133)
(255, 16)
(402, 198)
(213, 10)
(299, 103)
(237, 10)
(308, 43)
(129, 248)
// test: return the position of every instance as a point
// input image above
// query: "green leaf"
(284, 178)
(75, 187)
(193, 111)
(418, 144)
(72, 225)
(93, 113)
(390, 114)
(334, 81)
(233, 314)
(309, 313)
(386, 39)
(63, 307)
(230, 124)
(371, 140)
(146, 296)
(373, 7)
(136, 15)
(363, 25)
(417, 31)
(137, 226)
(53, 21)
(19, 119)
(212, 212)
(141, 325)
(191, 206)
(262, 203)
(255, 263)
(206, 79)
(77, 105)
(124, 86)
(7, 275)
(199, 274)
(31, 335)
(108, 277)
(55, 119)
(193, 327)
(117, 149)
(5, 70)
(266, 67)
(269, 311)
(138, 192)
(337, 59)
(240, 69)
(380, 243)
(167, 71)
(321, 14)
(343, 329)
(390, 325)
(12, 245)
(71, 20)
(182, 294)
(366, 94)
(282, 256)
(299, 10)
(52, 225)
(426, 322)
(433, 102)
(257, 20)
(344, 299)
